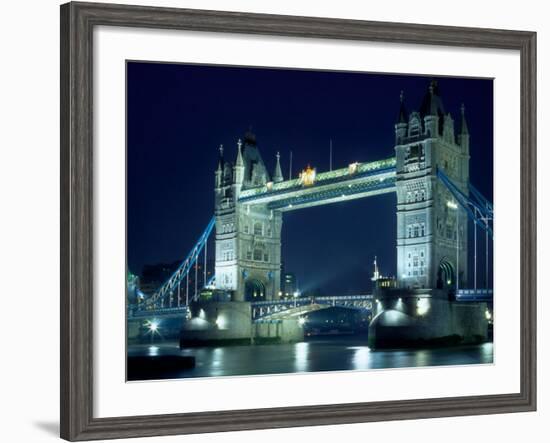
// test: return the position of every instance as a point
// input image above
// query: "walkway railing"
(262, 309)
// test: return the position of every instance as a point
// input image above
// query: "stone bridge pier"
(230, 322)
(425, 317)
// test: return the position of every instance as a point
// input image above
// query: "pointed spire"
(220, 158)
(376, 273)
(432, 103)
(239, 161)
(464, 125)
(278, 174)
(403, 117)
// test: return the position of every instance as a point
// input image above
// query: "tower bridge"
(429, 175)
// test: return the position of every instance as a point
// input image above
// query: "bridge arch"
(446, 276)
(254, 290)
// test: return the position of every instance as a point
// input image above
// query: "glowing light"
(302, 321)
(221, 322)
(449, 282)
(296, 293)
(488, 315)
(307, 176)
(399, 304)
(202, 314)
(153, 326)
(352, 168)
(452, 204)
(422, 306)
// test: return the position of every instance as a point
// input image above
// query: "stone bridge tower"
(248, 237)
(429, 254)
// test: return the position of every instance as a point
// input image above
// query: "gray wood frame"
(77, 24)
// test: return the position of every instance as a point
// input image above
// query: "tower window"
(258, 230)
(258, 254)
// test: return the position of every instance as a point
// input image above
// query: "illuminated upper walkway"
(355, 181)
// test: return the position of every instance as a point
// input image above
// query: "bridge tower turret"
(219, 170)
(278, 174)
(225, 210)
(431, 227)
(464, 135)
(402, 119)
(238, 170)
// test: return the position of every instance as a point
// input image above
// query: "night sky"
(178, 115)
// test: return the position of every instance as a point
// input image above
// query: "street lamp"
(153, 327)
(295, 294)
(454, 205)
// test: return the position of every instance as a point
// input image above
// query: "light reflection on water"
(360, 358)
(153, 351)
(301, 351)
(318, 354)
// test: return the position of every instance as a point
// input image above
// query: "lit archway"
(446, 277)
(254, 290)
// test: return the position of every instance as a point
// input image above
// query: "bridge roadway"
(271, 308)
(278, 309)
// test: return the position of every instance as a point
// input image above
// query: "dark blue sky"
(178, 115)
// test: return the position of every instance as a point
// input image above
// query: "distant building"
(380, 281)
(132, 286)
(154, 276)
(288, 284)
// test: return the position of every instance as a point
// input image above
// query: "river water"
(316, 354)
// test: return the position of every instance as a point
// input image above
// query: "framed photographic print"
(272, 221)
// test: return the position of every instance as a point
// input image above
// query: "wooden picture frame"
(77, 23)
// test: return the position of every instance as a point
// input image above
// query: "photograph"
(287, 221)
